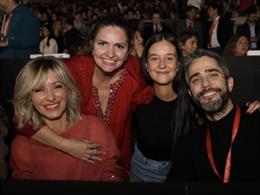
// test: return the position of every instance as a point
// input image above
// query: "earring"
(177, 69)
(146, 67)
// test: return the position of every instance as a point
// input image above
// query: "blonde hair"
(33, 75)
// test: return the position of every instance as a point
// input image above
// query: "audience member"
(157, 123)
(48, 45)
(220, 28)
(251, 28)
(225, 148)
(45, 94)
(79, 23)
(171, 20)
(58, 33)
(238, 45)
(71, 34)
(157, 25)
(190, 23)
(20, 31)
(188, 41)
(137, 44)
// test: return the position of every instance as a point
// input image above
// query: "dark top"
(190, 157)
(152, 125)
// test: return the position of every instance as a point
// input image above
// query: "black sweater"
(152, 125)
(190, 161)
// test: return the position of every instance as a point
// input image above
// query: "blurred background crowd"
(65, 24)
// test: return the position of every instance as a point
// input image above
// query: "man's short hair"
(216, 5)
(156, 11)
(190, 7)
(221, 62)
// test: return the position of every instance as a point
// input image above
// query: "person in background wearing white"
(48, 44)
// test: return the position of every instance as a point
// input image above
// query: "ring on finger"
(94, 151)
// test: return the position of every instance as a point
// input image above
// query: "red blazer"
(32, 160)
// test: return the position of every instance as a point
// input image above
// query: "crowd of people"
(62, 26)
(135, 102)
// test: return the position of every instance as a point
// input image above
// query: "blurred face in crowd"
(162, 62)
(45, 32)
(208, 86)
(110, 48)
(189, 46)
(130, 15)
(212, 13)
(252, 18)
(50, 99)
(57, 25)
(242, 46)
(138, 39)
(191, 14)
(156, 19)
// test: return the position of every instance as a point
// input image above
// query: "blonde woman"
(45, 95)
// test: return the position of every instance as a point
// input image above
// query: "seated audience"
(137, 44)
(251, 28)
(48, 44)
(188, 42)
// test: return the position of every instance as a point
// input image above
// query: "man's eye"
(102, 43)
(195, 80)
(214, 75)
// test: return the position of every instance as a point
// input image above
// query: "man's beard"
(213, 106)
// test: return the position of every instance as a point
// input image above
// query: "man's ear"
(230, 82)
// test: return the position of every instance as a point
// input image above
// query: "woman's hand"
(82, 149)
(78, 148)
(253, 106)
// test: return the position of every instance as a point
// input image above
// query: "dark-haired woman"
(48, 44)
